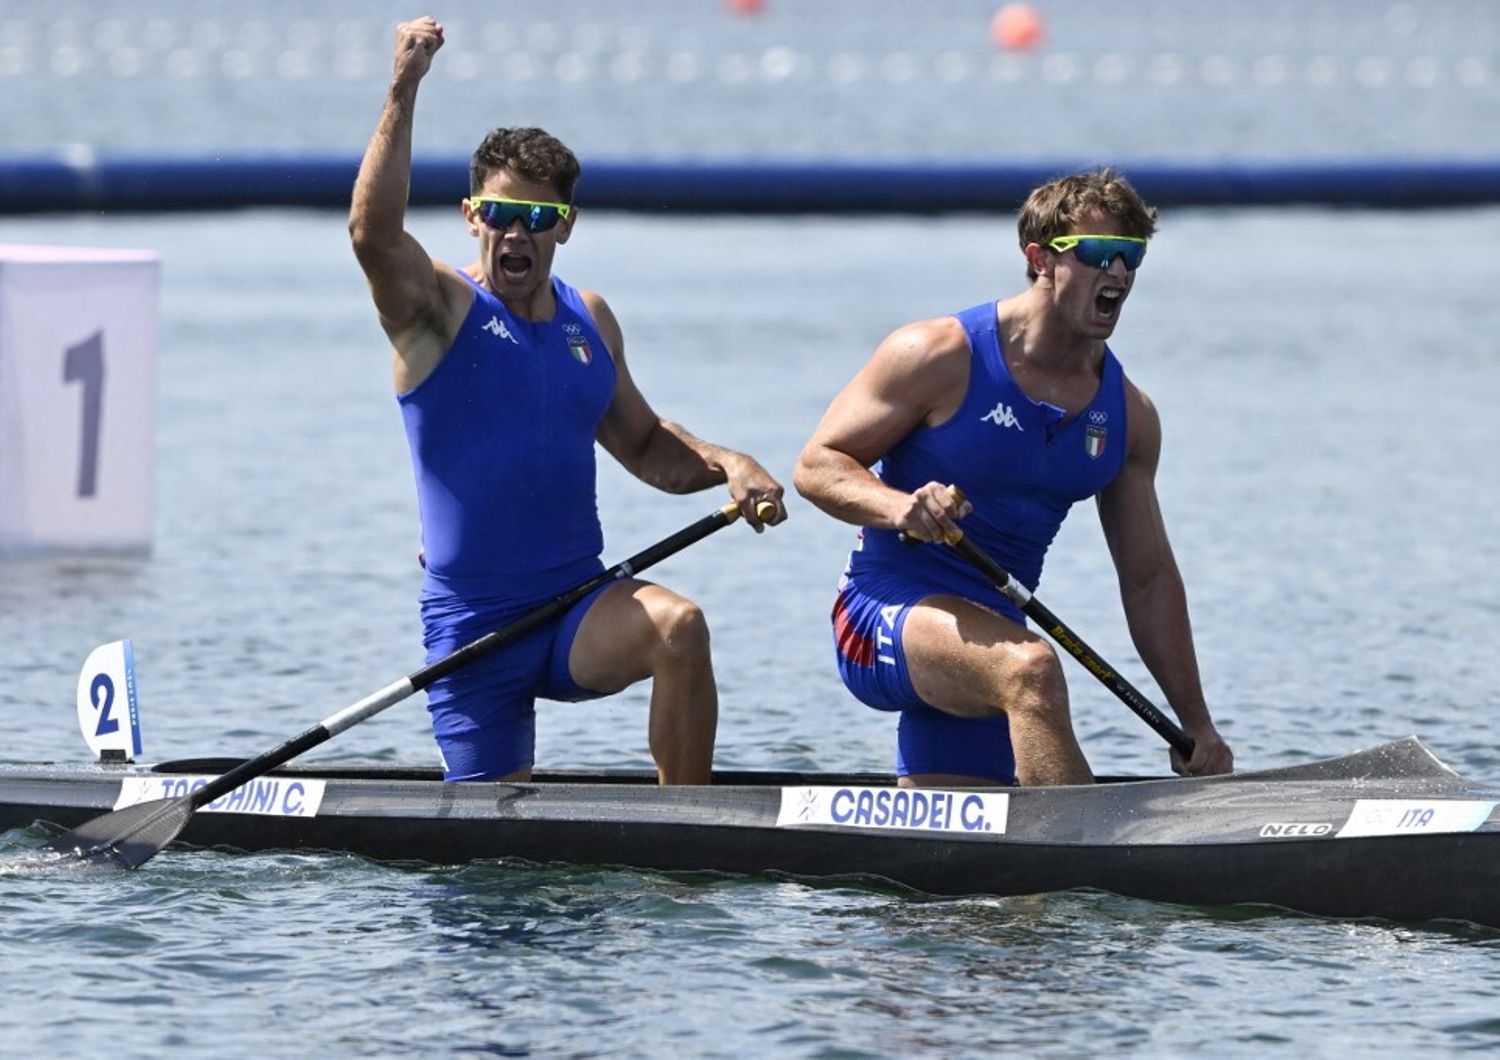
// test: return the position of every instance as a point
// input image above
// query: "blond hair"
(1052, 209)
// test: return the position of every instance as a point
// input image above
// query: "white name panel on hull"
(894, 809)
(267, 796)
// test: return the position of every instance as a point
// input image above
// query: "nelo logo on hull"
(1295, 829)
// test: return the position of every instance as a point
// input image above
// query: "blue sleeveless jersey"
(502, 443)
(1021, 463)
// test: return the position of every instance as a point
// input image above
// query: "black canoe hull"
(1268, 838)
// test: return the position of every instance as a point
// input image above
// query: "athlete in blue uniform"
(506, 377)
(1022, 405)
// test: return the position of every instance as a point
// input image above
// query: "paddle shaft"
(396, 691)
(1058, 630)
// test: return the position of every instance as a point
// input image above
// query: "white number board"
(78, 336)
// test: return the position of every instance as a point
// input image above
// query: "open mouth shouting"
(1107, 303)
(515, 266)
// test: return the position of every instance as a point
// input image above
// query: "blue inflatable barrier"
(137, 183)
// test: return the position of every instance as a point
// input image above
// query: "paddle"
(132, 836)
(1059, 631)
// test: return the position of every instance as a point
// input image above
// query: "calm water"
(1327, 381)
(1328, 492)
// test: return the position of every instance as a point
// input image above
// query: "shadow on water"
(527, 938)
(499, 906)
(495, 907)
(1059, 916)
(841, 946)
(518, 958)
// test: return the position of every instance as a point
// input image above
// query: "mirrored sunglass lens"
(497, 214)
(535, 217)
(538, 218)
(1100, 253)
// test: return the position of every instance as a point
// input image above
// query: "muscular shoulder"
(925, 343)
(929, 356)
(604, 320)
(1144, 425)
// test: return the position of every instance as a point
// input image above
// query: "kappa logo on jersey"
(1002, 416)
(497, 327)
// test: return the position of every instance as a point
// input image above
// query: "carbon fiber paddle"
(130, 837)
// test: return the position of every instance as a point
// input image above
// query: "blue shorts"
(484, 714)
(869, 618)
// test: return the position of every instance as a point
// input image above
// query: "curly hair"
(1051, 210)
(531, 153)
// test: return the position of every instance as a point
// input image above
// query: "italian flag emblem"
(580, 349)
(1093, 441)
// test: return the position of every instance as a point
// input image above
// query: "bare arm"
(414, 297)
(664, 454)
(917, 377)
(1152, 591)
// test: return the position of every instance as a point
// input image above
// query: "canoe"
(1389, 832)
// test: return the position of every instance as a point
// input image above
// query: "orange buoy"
(745, 7)
(1016, 28)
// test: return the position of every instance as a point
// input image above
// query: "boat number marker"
(899, 809)
(108, 712)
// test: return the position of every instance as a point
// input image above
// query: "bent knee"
(1035, 676)
(681, 627)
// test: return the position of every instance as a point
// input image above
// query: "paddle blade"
(127, 838)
